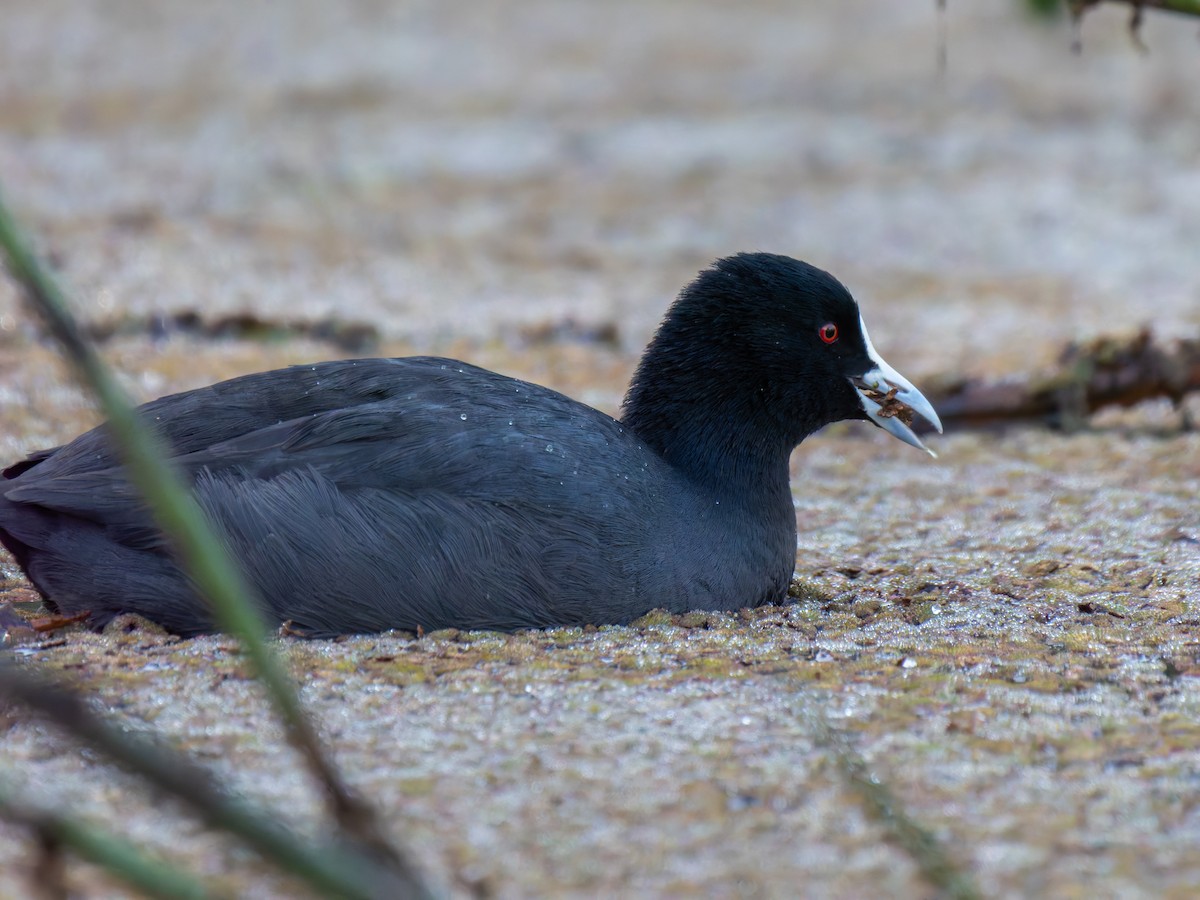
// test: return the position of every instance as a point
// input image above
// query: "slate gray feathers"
(364, 495)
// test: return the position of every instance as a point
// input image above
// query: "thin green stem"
(331, 871)
(215, 574)
(116, 856)
(922, 845)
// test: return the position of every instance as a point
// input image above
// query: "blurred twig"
(216, 575)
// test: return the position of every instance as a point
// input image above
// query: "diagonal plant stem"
(330, 870)
(116, 856)
(922, 845)
(217, 577)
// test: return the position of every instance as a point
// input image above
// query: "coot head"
(758, 352)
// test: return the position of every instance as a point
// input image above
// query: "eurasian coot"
(371, 494)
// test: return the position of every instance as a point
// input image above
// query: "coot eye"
(828, 332)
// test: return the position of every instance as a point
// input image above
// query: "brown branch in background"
(1107, 371)
(1077, 9)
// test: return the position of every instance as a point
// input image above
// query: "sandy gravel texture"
(1008, 635)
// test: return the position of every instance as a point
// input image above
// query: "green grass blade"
(216, 575)
(932, 858)
(118, 857)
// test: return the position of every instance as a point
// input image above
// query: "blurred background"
(406, 177)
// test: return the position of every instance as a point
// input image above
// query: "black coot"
(366, 495)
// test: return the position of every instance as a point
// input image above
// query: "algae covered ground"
(1028, 694)
(1008, 636)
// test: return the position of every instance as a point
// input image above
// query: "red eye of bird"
(828, 332)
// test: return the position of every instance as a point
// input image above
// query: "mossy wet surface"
(1008, 635)
(1030, 695)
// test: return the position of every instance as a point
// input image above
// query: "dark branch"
(1108, 371)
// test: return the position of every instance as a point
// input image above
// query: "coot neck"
(718, 429)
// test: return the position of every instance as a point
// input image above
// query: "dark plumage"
(364, 495)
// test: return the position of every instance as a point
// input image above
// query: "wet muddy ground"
(1008, 635)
